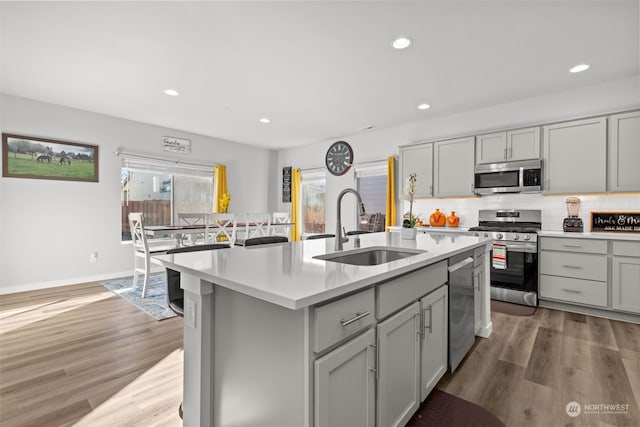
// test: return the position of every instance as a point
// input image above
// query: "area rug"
(513, 309)
(154, 304)
(444, 409)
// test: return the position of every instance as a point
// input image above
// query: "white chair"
(257, 225)
(220, 228)
(279, 218)
(189, 239)
(143, 249)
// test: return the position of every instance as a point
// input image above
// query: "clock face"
(339, 158)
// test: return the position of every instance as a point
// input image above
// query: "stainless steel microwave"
(510, 177)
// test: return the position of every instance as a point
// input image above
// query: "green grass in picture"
(25, 164)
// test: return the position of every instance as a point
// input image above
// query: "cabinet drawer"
(334, 321)
(403, 290)
(574, 290)
(626, 248)
(579, 266)
(574, 245)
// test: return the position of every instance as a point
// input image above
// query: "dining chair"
(192, 219)
(221, 228)
(277, 221)
(257, 225)
(175, 294)
(265, 240)
(143, 248)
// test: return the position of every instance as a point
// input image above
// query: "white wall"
(49, 228)
(379, 144)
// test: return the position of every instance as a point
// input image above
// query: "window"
(162, 189)
(371, 183)
(313, 202)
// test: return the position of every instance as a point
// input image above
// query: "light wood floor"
(80, 355)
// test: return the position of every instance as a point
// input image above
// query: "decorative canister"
(437, 219)
(453, 220)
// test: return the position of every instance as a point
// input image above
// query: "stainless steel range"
(516, 279)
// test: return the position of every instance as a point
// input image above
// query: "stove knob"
(527, 237)
(486, 234)
(516, 237)
(499, 236)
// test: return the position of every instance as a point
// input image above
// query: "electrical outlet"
(93, 257)
(191, 313)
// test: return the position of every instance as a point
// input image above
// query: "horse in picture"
(43, 158)
(65, 160)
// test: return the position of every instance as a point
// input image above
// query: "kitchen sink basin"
(369, 256)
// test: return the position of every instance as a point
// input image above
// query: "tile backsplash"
(553, 207)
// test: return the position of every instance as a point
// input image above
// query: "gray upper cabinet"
(575, 156)
(453, 167)
(624, 152)
(417, 159)
(520, 144)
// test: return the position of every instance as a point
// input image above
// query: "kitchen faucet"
(340, 239)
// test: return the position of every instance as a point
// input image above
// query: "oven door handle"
(522, 247)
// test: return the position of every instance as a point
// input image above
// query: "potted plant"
(408, 230)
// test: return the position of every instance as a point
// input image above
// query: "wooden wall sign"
(286, 184)
(176, 145)
(616, 222)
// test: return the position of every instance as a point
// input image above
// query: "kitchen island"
(261, 321)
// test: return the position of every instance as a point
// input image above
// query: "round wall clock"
(339, 158)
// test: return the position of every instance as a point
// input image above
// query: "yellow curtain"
(220, 185)
(390, 215)
(296, 216)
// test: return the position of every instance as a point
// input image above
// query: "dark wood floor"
(80, 355)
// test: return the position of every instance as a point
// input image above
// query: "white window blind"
(371, 170)
(144, 163)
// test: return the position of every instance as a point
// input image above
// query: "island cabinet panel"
(398, 367)
(345, 384)
(433, 359)
(626, 276)
(575, 156)
(418, 159)
(402, 290)
(338, 320)
(624, 152)
(453, 167)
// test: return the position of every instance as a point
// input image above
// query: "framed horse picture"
(40, 158)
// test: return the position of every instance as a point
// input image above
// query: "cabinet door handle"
(571, 266)
(572, 246)
(510, 151)
(430, 318)
(420, 330)
(375, 364)
(431, 190)
(504, 155)
(572, 291)
(357, 317)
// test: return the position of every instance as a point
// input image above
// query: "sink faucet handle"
(344, 237)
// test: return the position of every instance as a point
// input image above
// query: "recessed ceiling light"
(171, 92)
(424, 106)
(401, 43)
(579, 68)
(264, 120)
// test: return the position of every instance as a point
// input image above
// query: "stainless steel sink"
(370, 256)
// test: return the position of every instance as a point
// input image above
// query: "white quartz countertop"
(589, 235)
(288, 274)
(429, 229)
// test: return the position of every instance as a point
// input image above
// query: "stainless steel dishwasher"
(461, 308)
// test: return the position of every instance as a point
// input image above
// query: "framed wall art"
(40, 158)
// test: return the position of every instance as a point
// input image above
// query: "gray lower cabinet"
(398, 367)
(478, 280)
(435, 322)
(626, 276)
(344, 392)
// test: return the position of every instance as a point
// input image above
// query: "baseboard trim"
(65, 282)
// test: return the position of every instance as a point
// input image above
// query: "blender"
(573, 222)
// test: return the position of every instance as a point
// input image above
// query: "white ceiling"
(318, 70)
